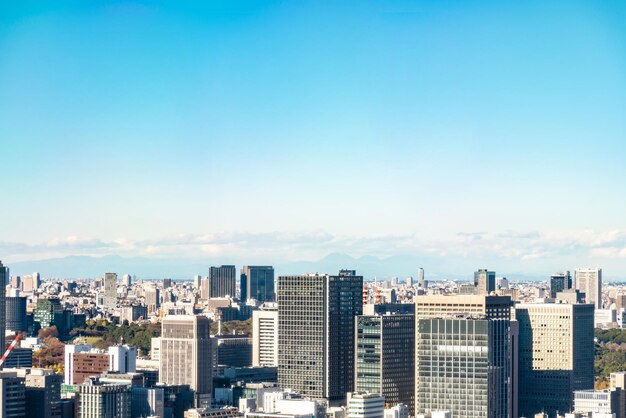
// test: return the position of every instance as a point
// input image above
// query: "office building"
(127, 280)
(19, 357)
(4, 276)
(86, 365)
(385, 357)
(153, 299)
(97, 400)
(197, 280)
(110, 290)
(12, 395)
(421, 280)
(232, 350)
(147, 402)
(595, 402)
(484, 281)
(185, 355)
(556, 354)
(123, 359)
(222, 281)
(257, 282)
(589, 281)
(560, 282)
(36, 280)
(49, 312)
(43, 393)
(70, 351)
(466, 366)
(16, 314)
(134, 313)
(265, 335)
(397, 411)
(316, 317)
(365, 405)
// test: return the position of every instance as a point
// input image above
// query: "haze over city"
(449, 135)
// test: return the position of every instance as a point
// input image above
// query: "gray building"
(222, 281)
(16, 314)
(257, 282)
(110, 290)
(148, 402)
(484, 281)
(97, 400)
(12, 395)
(589, 281)
(4, 276)
(556, 354)
(467, 367)
(316, 320)
(185, 355)
(385, 357)
(560, 282)
(43, 393)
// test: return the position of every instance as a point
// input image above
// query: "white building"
(365, 405)
(123, 359)
(265, 335)
(589, 281)
(70, 350)
(598, 402)
(399, 411)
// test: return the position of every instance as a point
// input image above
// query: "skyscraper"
(16, 313)
(484, 281)
(4, 275)
(560, 282)
(185, 355)
(222, 281)
(265, 335)
(97, 400)
(127, 280)
(466, 366)
(316, 317)
(385, 357)
(197, 279)
(257, 282)
(589, 281)
(110, 290)
(556, 354)
(36, 280)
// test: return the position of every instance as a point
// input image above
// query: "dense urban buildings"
(560, 282)
(4, 276)
(484, 281)
(316, 317)
(589, 282)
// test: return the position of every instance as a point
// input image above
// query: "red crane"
(11, 347)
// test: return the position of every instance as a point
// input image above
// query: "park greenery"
(610, 354)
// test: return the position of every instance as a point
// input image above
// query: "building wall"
(265, 338)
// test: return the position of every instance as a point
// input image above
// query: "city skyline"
(449, 135)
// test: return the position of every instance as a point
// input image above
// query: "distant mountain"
(181, 268)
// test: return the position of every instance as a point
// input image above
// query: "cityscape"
(329, 209)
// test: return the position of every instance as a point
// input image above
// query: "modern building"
(123, 359)
(86, 365)
(484, 281)
(110, 290)
(19, 357)
(222, 281)
(594, 402)
(153, 299)
(316, 318)
(49, 312)
(147, 402)
(70, 351)
(12, 395)
(467, 367)
(589, 281)
(265, 335)
(556, 355)
(232, 350)
(421, 279)
(16, 314)
(257, 282)
(185, 355)
(560, 282)
(4, 276)
(97, 400)
(127, 280)
(385, 357)
(365, 405)
(134, 313)
(197, 280)
(43, 393)
(397, 411)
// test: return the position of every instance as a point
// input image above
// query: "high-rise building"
(4, 275)
(49, 312)
(12, 395)
(127, 280)
(148, 402)
(70, 351)
(316, 317)
(385, 357)
(185, 355)
(556, 354)
(88, 364)
(167, 283)
(421, 279)
(484, 281)
(43, 393)
(36, 280)
(123, 359)
(466, 366)
(265, 335)
(204, 288)
(257, 282)
(28, 284)
(97, 400)
(153, 299)
(365, 405)
(560, 282)
(589, 281)
(110, 290)
(197, 280)
(16, 314)
(437, 306)
(222, 281)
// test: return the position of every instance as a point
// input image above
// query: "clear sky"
(294, 129)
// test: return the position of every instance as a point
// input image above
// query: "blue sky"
(170, 128)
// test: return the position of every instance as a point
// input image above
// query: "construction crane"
(11, 347)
